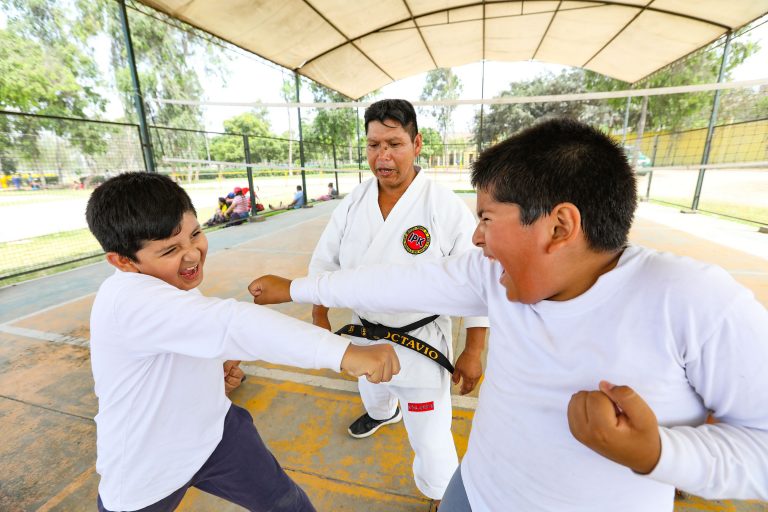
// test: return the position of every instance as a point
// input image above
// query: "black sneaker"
(364, 426)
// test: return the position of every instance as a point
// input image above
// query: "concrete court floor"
(46, 391)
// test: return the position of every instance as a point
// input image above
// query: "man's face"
(177, 260)
(519, 248)
(391, 153)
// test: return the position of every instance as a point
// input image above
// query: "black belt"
(399, 335)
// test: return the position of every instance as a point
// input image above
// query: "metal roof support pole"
(301, 139)
(359, 150)
(653, 164)
(249, 173)
(626, 122)
(335, 166)
(640, 132)
(146, 142)
(482, 97)
(712, 121)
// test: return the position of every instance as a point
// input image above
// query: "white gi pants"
(427, 415)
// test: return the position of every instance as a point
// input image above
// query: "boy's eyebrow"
(166, 247)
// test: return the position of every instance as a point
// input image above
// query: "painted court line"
(67, 491)
(463, 402)
(44, 336)
(49, 308)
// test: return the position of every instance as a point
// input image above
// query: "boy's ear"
(121, 262)
(565, 227)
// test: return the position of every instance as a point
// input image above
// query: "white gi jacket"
(429, 222)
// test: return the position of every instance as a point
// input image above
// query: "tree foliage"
(676, 111)
(46, 67)
(501, 121)
(441, 84)
(254, 124)
(432, 144)
(332, 126)
(666, 112)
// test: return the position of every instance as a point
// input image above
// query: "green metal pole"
(712, 121)
(146, 142)
(301, 140)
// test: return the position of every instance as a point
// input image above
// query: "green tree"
(433, 144)
(165, 59)
(676, 111)
(288, 92)
(336, 127)
(229, 148)
(501, 121)
(47, 67)
(667, 112)
(441, 84)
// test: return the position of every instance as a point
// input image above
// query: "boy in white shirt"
(157, 346)
(573, 307)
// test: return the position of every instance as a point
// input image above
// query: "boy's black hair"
(563, 160)
(133, 208)
(396, 110)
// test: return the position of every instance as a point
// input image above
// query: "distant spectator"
(238, 210)
(247, 196)
(16, 180)
(332, 194)
(298, 201)
(218, 216)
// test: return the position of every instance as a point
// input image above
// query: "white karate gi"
(358, 235)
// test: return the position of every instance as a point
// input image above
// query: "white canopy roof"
(357, 46)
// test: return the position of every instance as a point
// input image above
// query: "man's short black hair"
(396, 110)
(563, 160)
(133, 208)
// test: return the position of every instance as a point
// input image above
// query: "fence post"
(640, 131)
(301, 140)
(249, 172)
(626, 122)
(335, 166)
(711, 127)
(146, 143)
(653, 164)
(359, 149)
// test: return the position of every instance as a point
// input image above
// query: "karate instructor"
(401, 216)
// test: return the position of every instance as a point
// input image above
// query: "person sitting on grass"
(298, 201)
(157, 345)
(238, 211)
(218, 216)
(332, 194)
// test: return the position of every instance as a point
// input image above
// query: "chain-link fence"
(50, 164)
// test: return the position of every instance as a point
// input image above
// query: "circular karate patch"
(416, 240)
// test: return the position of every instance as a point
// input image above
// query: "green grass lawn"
(745, 214)
(43, 251)
(59, 249)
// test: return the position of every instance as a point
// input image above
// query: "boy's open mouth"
(190, 273)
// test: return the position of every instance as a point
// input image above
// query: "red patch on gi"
(416, 239)
(422, 407)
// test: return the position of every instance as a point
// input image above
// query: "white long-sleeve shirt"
(358, 234)
(683, 334)
(156, 354)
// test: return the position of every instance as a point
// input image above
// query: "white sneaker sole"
(396, 419)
